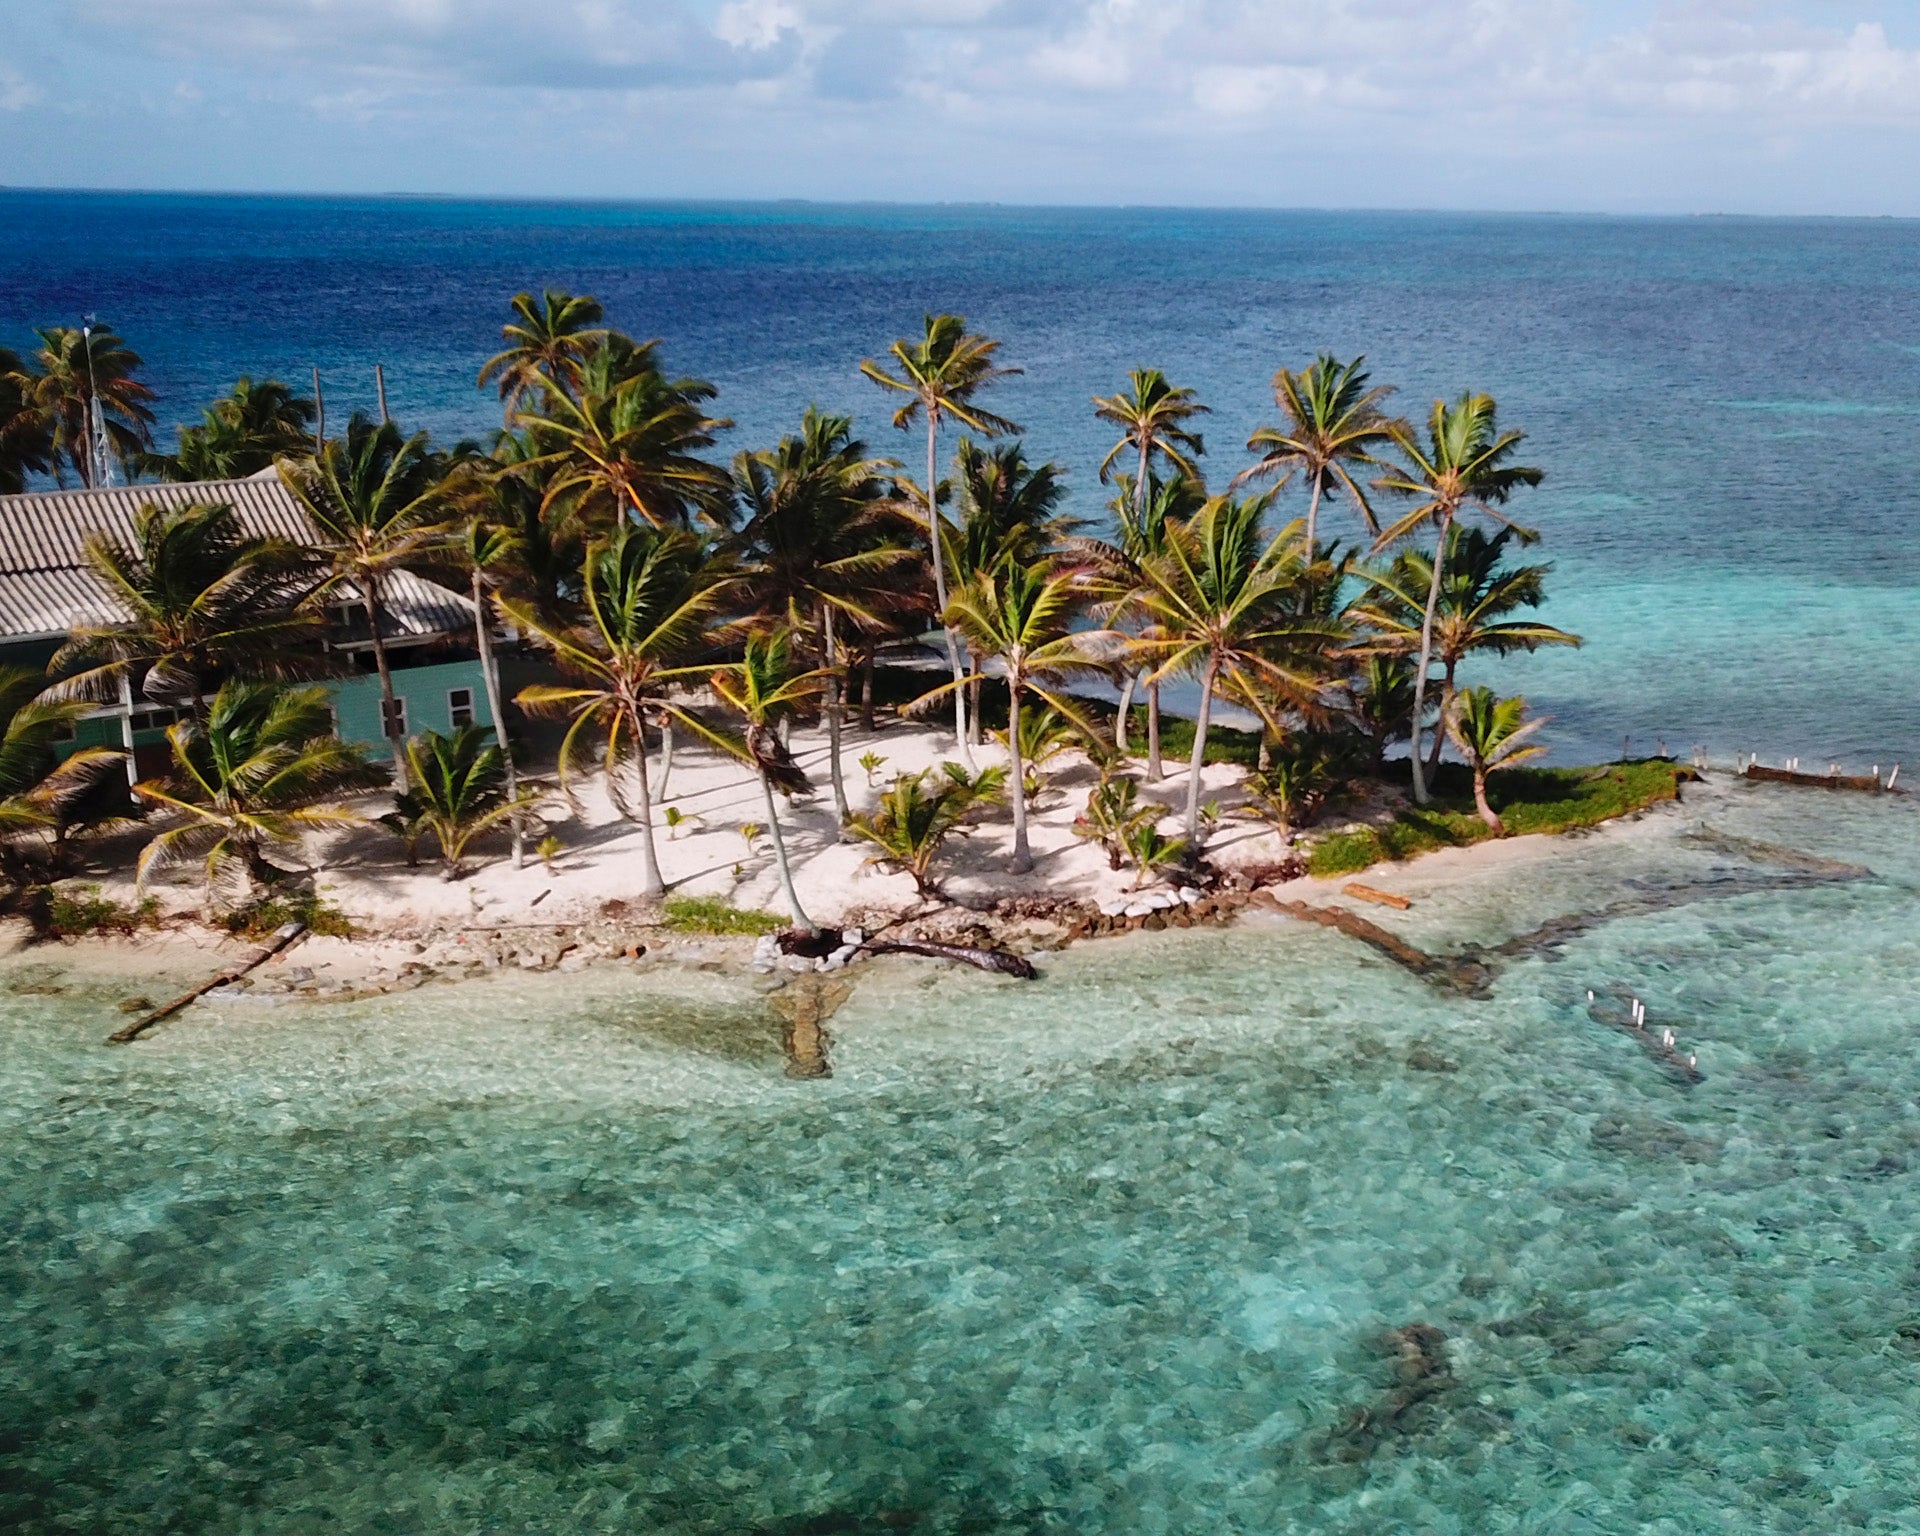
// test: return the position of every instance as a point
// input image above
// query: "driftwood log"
(284, 935)
(1868, 783)
(1005, 962)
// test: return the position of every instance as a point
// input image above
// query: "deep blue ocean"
(1726, 408)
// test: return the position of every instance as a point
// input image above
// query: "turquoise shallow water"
(1113, 1252)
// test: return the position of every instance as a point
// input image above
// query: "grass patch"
(75, 911)
(709, 914)
(316, 912)
(1527, 799)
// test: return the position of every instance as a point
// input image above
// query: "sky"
(1656, 106)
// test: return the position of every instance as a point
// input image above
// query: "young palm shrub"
(1290, 791)
(915, 818)
(1114, 815)
(1465, 466)
(764, 690)
(1150, 852)
(262, 771)
(1046, 734)
(456, 790)
(1376, 700)
(653, 601)
(1023, 615)
(36, 789)
(1491, 734)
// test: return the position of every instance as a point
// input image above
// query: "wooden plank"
(282, 936)
(1379, 898)
(1866, 783)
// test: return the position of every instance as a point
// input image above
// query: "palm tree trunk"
(1022, 854)
(1313, 519)
(370, 593)
(1120, 720)
(490, 674)
(832, 660)
(1480, 802)
(1420, 795)
(977, 663)
(940, 594)
(651, 885)
(1199, 756)
(866, 690)
(800, 918)
(666, 755)
(1440, 726)
(1154, 771)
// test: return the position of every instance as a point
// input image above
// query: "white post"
(126, 728)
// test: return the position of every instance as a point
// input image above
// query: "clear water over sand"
(1110, 1253)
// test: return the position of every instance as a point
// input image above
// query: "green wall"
(356, 700)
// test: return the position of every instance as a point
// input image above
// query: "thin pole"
(380, 383)
(320, 413)
(96, 453)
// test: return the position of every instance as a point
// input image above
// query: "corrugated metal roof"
(47, 587)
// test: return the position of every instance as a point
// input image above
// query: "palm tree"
(240, 434)
(458, 787)
(1475, 599)
(819, 547)
(942, 374)
(622, 442)
(378, 500)
(547, 342)
(1152, 417)
(84, 382)
(202, 598)
(1465, 466)
(1334, 425)
(262, 771)
(764, 690)
(489, 551)
(653, 599)
(1491, 734)
(913, 821)
(26, 445)
(1024, 616)
(1218, 605)
(1377, 699)
(36, 786)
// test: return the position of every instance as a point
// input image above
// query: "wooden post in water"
(281, 937)
(380, 384)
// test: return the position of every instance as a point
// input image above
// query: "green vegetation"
(75, 911)
(709, 914)
(1528, 800)
(259, 919)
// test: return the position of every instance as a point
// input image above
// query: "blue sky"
(1758, 106)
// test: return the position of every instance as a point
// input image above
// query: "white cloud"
(17, 93)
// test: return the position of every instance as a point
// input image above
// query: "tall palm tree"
(202, 598)
(1466, 465)
(764, 689)
(1219, 606)
(549, 552)
(26, 444)
(1334, 425)
(943, 374)
(240, 434)
(548, 341)
(36, 785)
(1476, 598)
(1152, 416)
(262, 771)
(378, 500)
(653, 601)
(1024, 615)
(83, 378)
(622, 442)
(1491, 734)
(820, 547)
(488, 549)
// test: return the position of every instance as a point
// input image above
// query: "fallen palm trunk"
(285, 934)
(1005, 962)
(1465, 974)
(1868, 783)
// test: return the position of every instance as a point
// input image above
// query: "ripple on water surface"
(1117, 1252)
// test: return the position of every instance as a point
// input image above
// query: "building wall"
(356, 700)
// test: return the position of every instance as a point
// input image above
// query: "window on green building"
(460, 707)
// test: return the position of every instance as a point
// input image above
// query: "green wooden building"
(47, 588)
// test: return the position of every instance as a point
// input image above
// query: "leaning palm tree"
(263, 770)
(1476, 597)
(26, 444)
(1466, 465)
(37, 785)
(1334, 425)
(653, 601)
(240, 434)
(942, 374)
(378, 500)
(821, 547)
(202, 598)
(1491, 734)
(548, 341)
(83, 385)
(1219, 606)
(457, 789)
(622, 442)
(765, 690)
(1024, 616)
